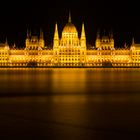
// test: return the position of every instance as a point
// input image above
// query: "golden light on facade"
(69, 50)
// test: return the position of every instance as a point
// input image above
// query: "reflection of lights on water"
(68, 80)
(45, 80)
(69, 98)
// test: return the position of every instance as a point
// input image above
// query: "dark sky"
(123, 17)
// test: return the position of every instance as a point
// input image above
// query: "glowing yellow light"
(69, 50)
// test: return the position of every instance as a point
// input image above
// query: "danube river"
(69, 104)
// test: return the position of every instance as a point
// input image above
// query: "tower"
(6, 44)
(83, 37)
(33, 42)
(83, 45)
(28, 38)
(133, 44)
(56, 37)
(111, 39)
(69, 34)
(97, 43)
(69, 20)
(125, 45)
(133, 41)
(14, 46)
(41, 39)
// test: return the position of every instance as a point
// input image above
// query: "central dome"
(69, 28)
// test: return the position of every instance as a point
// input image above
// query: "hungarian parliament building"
(69, 51)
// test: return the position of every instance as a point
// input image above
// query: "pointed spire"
(41, 34)
(83, 31)
(28, 33)
(125, 46)
(56, 28)
(69, 21)
(56, 36)
(83, 37)
(133, 41)
(14, 46)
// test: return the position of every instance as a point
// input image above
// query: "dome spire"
(69, 21)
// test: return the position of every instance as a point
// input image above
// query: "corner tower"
(41, 39)
(105, 42)
(33, 42)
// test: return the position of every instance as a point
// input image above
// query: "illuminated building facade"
(69, 51)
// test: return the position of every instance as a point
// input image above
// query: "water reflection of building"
(70, 50)
(62, 83)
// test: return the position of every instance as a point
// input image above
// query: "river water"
(69, 103)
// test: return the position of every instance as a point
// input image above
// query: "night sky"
(123, 17)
